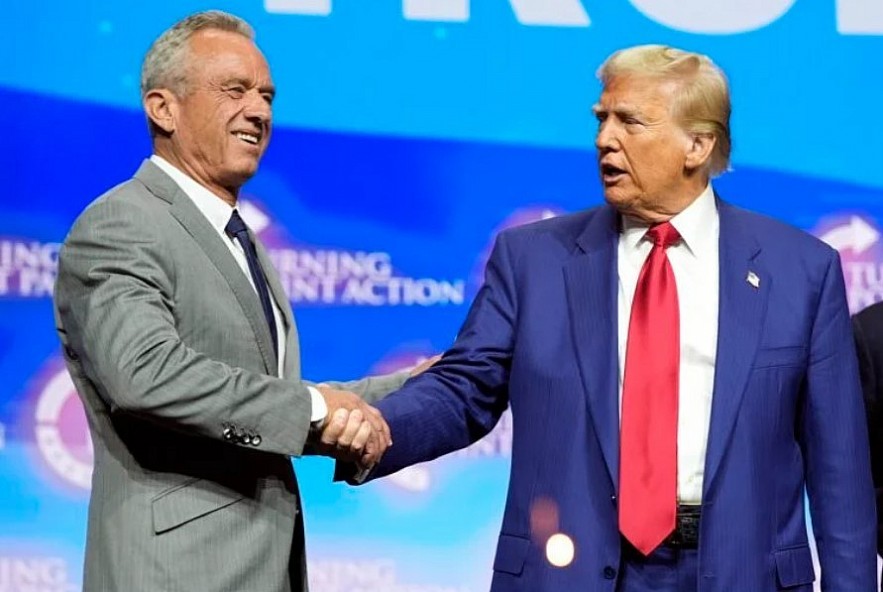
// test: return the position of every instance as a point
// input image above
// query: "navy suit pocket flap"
(770, 357)
(189, 501)
(511, 553)
(794, 567)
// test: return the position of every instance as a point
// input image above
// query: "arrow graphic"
(856, 235)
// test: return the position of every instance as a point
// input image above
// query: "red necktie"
(648, 466)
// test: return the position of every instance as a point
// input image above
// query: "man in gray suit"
(183, 347)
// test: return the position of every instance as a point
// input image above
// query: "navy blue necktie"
(237, 228)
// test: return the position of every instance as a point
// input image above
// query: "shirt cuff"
(319, 408)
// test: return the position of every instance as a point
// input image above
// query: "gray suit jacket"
(164, 337)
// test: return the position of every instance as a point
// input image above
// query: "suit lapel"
(591, 281)
(742, 308)
(186, 213)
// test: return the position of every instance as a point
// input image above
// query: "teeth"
(250, 138)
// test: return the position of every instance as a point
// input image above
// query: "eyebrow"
(269, 88)
(232, 81)
(628, 110)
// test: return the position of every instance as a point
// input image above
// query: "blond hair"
(702, 98)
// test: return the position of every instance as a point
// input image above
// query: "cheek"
(212, 120)
(675, 161)
(643, 158)
(661, 160)
(202, 129)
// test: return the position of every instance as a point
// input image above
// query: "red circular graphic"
(61, 432)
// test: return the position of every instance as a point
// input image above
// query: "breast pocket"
(777, 357)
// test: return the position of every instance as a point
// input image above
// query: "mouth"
(610, 174)
(250, 138)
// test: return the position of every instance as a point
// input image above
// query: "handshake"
(353, 430)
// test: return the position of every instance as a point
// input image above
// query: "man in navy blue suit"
(680, 371)
(868, 327)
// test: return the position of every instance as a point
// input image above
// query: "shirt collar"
(693, 224)
(215, 209)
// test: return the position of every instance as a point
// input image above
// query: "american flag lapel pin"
(752, 279)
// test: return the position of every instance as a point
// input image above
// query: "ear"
(699, 151)
(161, 106)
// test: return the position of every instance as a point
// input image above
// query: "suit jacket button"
(256, 440)
(229, 434)
(246, 439)
(609, 573)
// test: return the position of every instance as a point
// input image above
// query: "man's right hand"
(353, 431)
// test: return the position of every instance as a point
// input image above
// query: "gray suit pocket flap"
(794, 567)
(511, 553)
(189, 502)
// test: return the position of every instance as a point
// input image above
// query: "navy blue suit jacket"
(786, 413)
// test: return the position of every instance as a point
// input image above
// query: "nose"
(258, 110)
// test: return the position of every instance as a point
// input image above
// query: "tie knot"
(663, 235)
(236, 225)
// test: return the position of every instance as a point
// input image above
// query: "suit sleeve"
(460, 399)
(115, 302)
(835, 443)
(370, 388)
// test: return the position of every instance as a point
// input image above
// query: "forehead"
(634, 92)
(215, 53)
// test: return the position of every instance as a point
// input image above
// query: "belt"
(686, 532)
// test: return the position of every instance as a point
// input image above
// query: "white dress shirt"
(694, 261)
(218, 213)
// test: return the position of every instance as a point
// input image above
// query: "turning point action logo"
(329, 276)
(309, 275)
(27, 268)
(857, 238)
(23, 569)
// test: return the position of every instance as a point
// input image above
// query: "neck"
(663, 209)
(228, 194)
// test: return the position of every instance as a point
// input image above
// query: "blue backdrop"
(407, 134)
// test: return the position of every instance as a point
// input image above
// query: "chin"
(616, 197)
(244, 171)
(239, 177)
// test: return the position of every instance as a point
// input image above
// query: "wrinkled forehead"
(216, 51)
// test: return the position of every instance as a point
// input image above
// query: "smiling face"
(218, 130)
(645, 157)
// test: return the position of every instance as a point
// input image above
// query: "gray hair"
(164, 65)
(702, 98)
